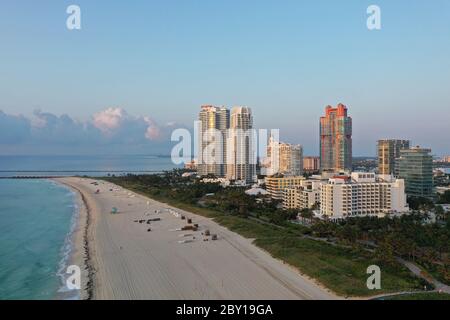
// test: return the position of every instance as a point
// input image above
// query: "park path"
(414, 268)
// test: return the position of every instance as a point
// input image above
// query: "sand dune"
(131, 262)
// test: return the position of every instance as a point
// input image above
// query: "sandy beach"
(125, 259)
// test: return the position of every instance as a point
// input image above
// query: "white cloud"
(153, 132)
(109, 119)
(111, 128)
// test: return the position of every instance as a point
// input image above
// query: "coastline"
(79, 254)
(123, 260)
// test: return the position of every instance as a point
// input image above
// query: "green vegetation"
(420, 203)
(445, 197)
(420, 296)
(342, 270)
(340, 262)
(427, 244)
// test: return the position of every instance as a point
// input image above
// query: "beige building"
(362, 194)
(213, 125)
(311, 164)
(388, 151)
(241, 143)
(303, 197)
(277, 185)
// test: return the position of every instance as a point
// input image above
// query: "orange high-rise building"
(336, 139)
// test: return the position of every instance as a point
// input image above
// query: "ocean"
(11, 166)
(38, 216)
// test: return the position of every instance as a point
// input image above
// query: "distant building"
(192, 165)
(415, 166)
(284, 158)
(241, 155)
(277, 185)
(311, 164)
(446, 159)
(214, 122)
(291, 159)
(388, 151)
(302, 197)
(336, 140)
(362, 194)
(189, 174)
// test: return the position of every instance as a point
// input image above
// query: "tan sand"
(128, 262)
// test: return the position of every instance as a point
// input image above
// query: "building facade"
(241, 143)
(415, 166)
(284, 158)
(291, 159)
(277, 185)
(362, 194)
(336, 140)
(214, 123)
(311, 164)
(388, 151)
(305, 196)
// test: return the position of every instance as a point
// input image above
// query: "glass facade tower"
(415, 166)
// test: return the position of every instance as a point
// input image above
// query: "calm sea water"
(82, 165)
(38, 216)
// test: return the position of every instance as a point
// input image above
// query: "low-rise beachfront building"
(276, 185)
(303, 197)
(362, 194)
(192, 165)
(291, 198)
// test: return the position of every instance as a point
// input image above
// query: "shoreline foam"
(76, 249)
(67, 251)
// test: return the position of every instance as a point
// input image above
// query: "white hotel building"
(362, 194)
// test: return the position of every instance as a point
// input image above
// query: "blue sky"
(286, 60)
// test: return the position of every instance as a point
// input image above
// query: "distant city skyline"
(137, 70)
